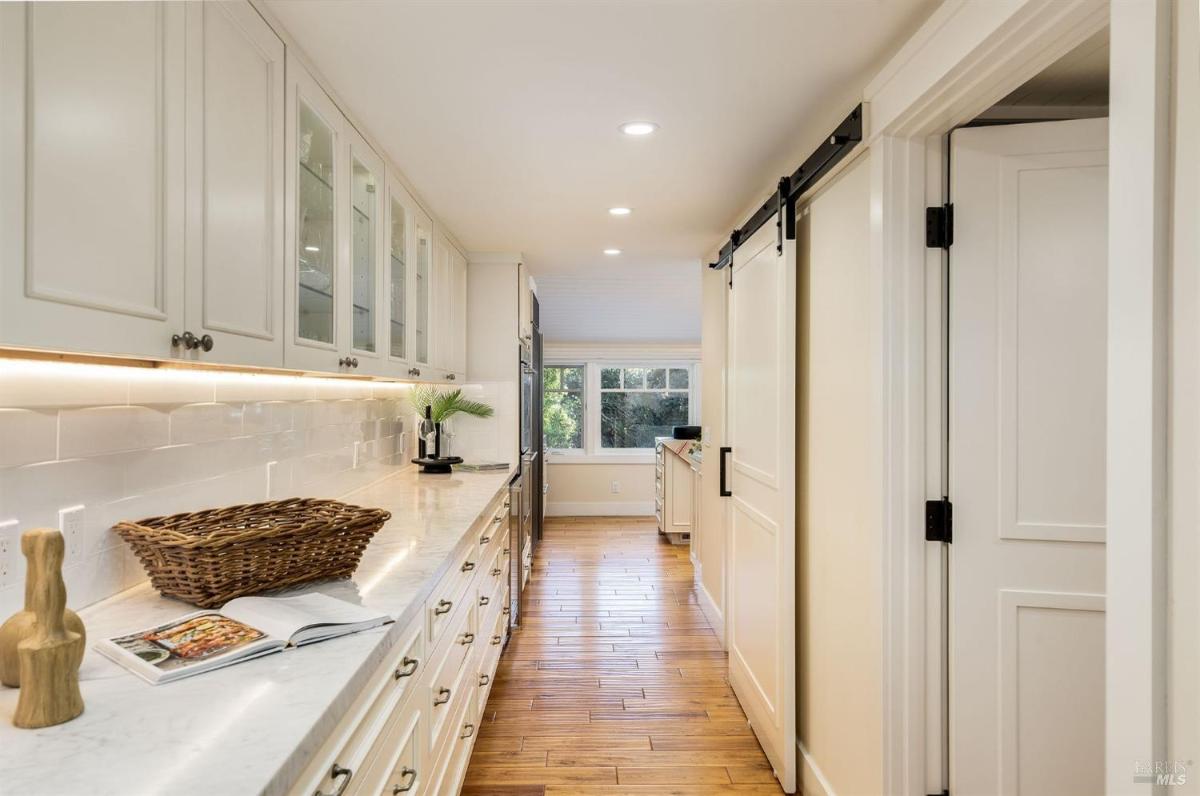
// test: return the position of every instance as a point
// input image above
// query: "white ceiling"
(504, 114)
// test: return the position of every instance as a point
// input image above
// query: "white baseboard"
(708, 607)
(812, 780)
(600, 509)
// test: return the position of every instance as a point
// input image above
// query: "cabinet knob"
(343, 362)
(450, 376)
(354, 362)
(206, 343)
(409, 774)
(414, 371)
(187, 340)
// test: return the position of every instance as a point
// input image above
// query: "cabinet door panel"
(235, 154)
(364, 238)
(92, 175)
(423, 292)
(399, 247)
(314, 202)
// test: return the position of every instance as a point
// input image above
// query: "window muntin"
(638, 404)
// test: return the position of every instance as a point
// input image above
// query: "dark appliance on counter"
(685, 432)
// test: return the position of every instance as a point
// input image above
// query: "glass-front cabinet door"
(399, 247)
(423, 291)
(365, 235)
(315, 157)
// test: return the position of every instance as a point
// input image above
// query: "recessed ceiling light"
(312, 248)
(638, 128)
(619, 211)
(612, 252)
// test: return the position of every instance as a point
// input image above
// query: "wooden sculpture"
(20, 625)
(50, 655)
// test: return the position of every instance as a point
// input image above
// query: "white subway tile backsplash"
(131, 443)
(109, 429)
(205, 422)
(27, 436)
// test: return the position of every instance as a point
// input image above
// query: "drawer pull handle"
(495, 640)
(406, 773)
(334, 773)
(443, 607)
(467, 638)
(484, 680)
(407, 668)
(467, 567)
(484, 539)
(442, 698)
(505, 610)
(507, 552)
(468, 731)
(484, 600)
(496, 571)
(499, 518)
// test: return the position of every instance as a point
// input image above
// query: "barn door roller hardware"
(783, 202)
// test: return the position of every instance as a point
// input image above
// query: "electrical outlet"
(616, 487)
(70, 523)
(10, 551)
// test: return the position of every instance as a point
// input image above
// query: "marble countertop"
(252, 727)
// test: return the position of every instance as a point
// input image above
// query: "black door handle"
(724, 490)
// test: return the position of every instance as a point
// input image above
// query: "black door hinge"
(939, 227)
(939, 521)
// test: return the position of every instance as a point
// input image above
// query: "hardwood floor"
(616, 682)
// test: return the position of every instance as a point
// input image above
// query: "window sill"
(646, 457)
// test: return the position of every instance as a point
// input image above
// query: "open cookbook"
(245, 628)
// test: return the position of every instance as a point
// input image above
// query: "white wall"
(839, 601)
(586, 490)
(129, 443)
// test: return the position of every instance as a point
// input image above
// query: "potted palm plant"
(434, 407)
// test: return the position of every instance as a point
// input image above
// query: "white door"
(92, 176)
(1027, 458)
(761, 616)
(235, 116)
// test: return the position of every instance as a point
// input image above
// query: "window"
(562, 407)
(638, 404)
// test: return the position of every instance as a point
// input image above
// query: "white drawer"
(402, 764)
(446, 684)
(450, 591)
(353, 746)
(455, 754)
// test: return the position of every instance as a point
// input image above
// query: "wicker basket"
(210, 557)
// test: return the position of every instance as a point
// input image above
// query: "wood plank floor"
(616, 682)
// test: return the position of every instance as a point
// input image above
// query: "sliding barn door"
(1028, 316)
(761, 622)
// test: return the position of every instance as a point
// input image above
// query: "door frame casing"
(966, 57)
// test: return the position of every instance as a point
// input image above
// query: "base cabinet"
(412, 729)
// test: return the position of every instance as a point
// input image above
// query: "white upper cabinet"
(175, 184)
(318, 197)
(365, 265)
(235, 203)
(91, 176)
